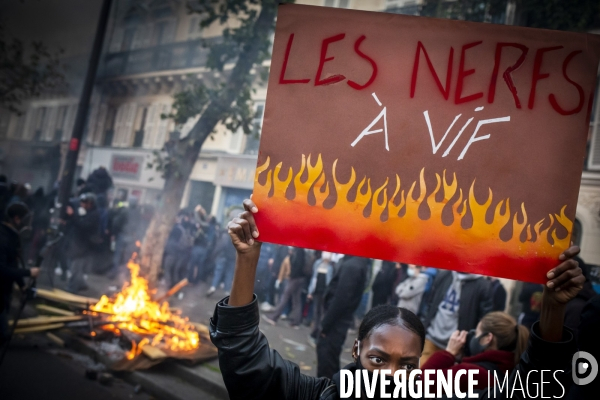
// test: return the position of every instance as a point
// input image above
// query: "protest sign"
(442, 143)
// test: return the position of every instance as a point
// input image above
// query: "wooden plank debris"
(153, 353)
(45, 320)
(53, 310)
(173, 290)
(64, 297)
(38, 328)
(55, 339)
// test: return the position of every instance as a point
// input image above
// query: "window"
(201, 193)
(17, 132)
(49, 125)
(138, 138)
(39, 123)
(337, 3)
(69, 121)
(127, 39)
(194, 30)
(164, 31)
(60, 122)
(109, 126)
(124, 121)
(162, 126)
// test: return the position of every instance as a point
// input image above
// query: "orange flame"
(134, 310)
(386, 218)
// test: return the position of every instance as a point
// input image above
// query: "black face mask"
(475, 347)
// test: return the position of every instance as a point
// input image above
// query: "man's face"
(87, 205)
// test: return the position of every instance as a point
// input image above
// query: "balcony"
(172, 56)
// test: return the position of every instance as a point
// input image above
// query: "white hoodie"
(410, 292)
(445, 321)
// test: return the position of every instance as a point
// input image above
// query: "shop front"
(130, 172)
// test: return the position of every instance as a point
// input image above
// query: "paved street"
(35, 369)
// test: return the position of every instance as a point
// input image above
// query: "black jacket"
(297, 263)
(475, 300)
(251, 370)
(10, 258)
(84, 229)
(344, 293)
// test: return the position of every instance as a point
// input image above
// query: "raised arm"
(564, 282)
(250, 369)
(551, 345)
(243, 233)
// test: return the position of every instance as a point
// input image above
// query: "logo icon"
(584, 367)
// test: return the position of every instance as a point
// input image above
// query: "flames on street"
(134, 310)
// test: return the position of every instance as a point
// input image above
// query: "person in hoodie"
(495, 346)
(458, 302)
(388, 338)
(11, 263)
(84, 227)
(410, 291)
(383, 284)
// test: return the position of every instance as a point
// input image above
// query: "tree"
(26, 71)
(227, 101)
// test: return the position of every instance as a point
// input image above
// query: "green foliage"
(242, 14)
(26, 71)
(225, 96)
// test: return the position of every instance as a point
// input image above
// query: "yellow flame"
(134, 310)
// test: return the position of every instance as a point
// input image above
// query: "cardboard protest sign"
(442, 143)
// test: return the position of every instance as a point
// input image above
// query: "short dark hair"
(17, 209)
(388, 314)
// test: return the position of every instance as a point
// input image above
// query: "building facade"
(153, 53)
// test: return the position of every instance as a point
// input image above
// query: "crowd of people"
(460, 317)
(444, 321)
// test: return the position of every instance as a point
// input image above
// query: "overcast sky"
(69, 24)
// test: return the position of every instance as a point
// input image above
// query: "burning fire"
(389, 221)
(134, 310)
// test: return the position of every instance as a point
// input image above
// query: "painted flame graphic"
(383, 222)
